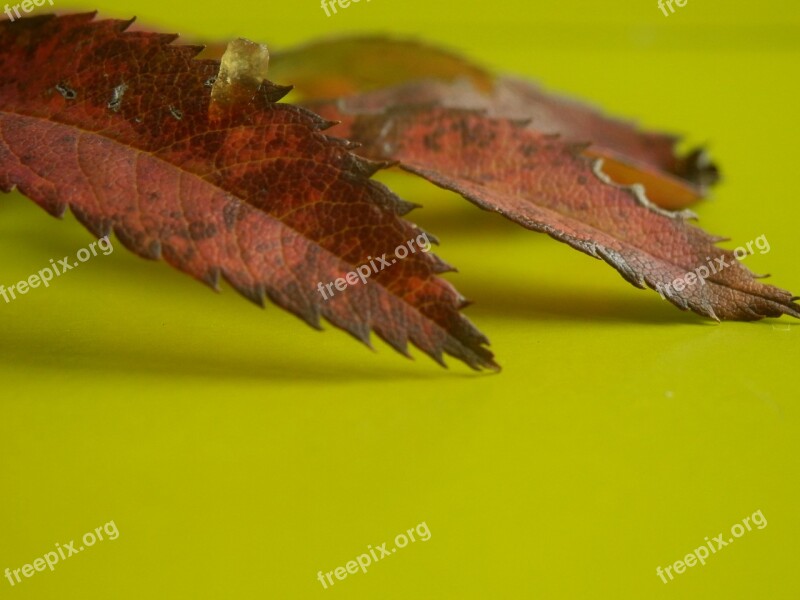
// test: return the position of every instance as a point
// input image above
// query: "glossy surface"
(239, 452)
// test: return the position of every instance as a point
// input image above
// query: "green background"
(240, 452)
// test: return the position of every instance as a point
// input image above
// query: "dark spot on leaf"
(66, 91)
(431, 141)
(201, 231)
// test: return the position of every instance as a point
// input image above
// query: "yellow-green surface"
(239, 452)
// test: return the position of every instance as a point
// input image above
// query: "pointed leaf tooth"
(274, 92)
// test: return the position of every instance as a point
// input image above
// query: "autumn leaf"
(547, 184)
(402, 73)
(120, 127)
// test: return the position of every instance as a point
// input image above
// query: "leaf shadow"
(573, 303)
(120, 355)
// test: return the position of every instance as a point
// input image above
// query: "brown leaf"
(121, 129)
(630, 156)
(547, 184)
(353, 65)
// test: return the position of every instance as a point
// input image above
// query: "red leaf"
(421, 74)
(120, 127)
(548, 185)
